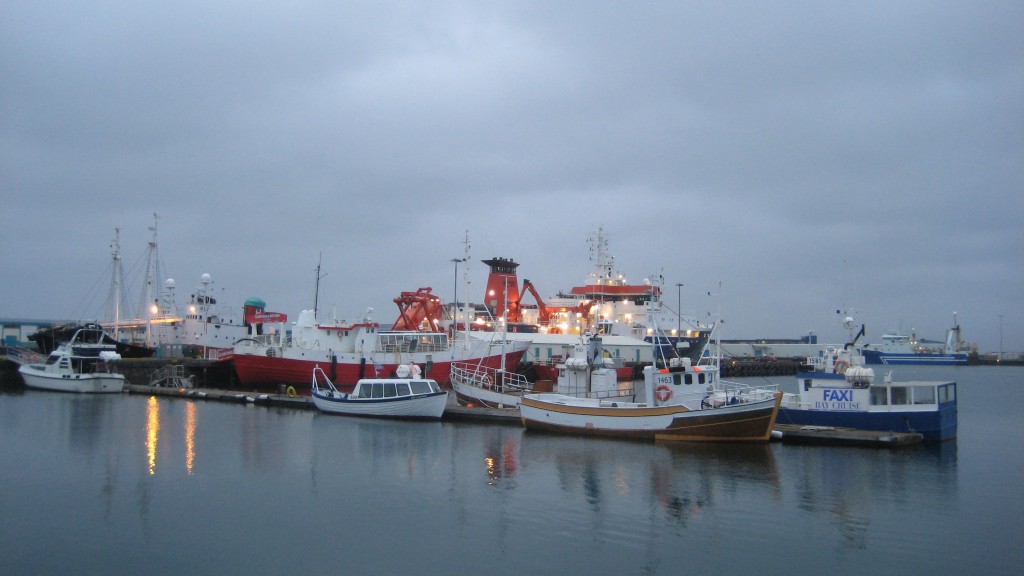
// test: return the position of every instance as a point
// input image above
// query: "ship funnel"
(502, 286)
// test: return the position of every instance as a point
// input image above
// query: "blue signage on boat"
(837, 399)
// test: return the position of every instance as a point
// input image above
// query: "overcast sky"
(809, 156)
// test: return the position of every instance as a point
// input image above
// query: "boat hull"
(877, 357)
(425, 406)
(77, 383)
(469, 395)
(748, 422)
(257, 370)
(934, 426)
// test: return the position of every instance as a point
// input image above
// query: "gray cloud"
(810, 156)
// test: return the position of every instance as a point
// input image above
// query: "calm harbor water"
(133, 484)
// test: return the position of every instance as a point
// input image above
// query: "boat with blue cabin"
(407, 396)
(836, 390)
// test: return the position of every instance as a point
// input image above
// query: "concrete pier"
(845, 436)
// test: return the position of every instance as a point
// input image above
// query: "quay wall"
(221, 375)
(204, 373)
(747, 368)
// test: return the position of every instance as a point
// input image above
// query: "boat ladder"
(171, 376)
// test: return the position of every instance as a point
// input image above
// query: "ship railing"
(21, 355)
(727, 392)
(263, 340)
(489, 378)
(626, 390)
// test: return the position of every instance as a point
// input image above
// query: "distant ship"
(897, 348)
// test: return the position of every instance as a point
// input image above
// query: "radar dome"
(169, 283)
(205, 279)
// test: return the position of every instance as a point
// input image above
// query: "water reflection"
(859, 491)
(501, 456)
(152, 432)
(678, 480)
(190, 437)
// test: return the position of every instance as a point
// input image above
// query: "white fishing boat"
(683, 402)
(587, 373)
(477, 384)
(407, 396)
(86, 364)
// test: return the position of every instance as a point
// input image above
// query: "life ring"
(291, 392)
(841, 366)
(663, 393)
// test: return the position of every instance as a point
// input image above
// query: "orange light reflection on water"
(152, 432)
(190, 436)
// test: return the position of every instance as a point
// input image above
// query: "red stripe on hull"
(253, 370)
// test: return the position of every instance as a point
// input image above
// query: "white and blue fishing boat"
(407, 396)
(836, 390)
(898, 348)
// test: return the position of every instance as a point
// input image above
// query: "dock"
(205, 371)
(845, 436)
(452, 412)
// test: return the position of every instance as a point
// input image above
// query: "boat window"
(376, 390)
(420, 387)
(899, 395)
(364, 390)
(434, 386)
(878, 396)
(688, 378)
(947, 393)
(924, 395)
(807, 384)
(389, 390)
(403, 389)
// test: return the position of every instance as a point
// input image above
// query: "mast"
(152, 265)
(465, 278)
(599, 253)
(504, 325)
(717, 327)
(115, 281)
(316, 294)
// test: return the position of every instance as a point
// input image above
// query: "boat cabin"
(856, 390)
(393, 388)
